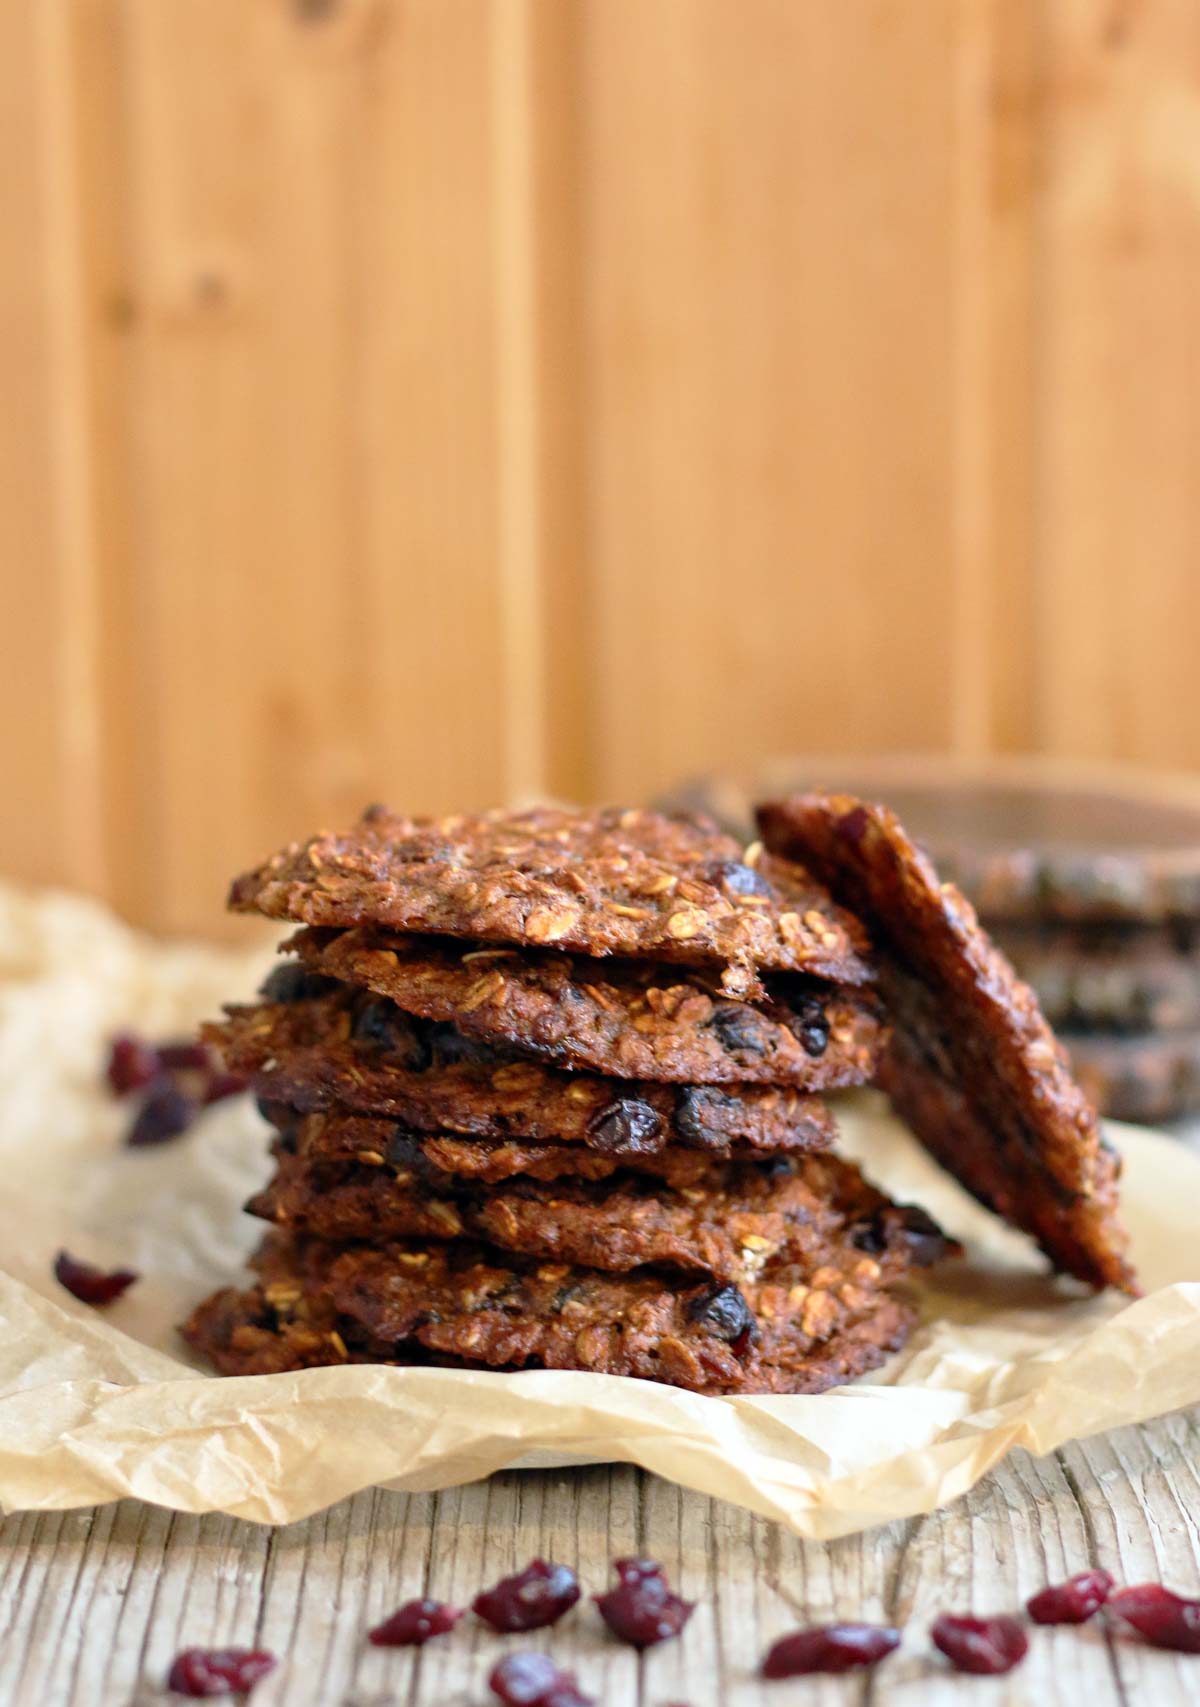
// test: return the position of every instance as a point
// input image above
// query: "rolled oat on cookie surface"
(627, 1018)
(351, 1050)
(610, 881)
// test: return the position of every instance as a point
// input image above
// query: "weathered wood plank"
(94, 1605)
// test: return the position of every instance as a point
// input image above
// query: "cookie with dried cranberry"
(596, 882)
(784, 1333)
(972, 1066)
(343, 1049)
(245, 1333)
(814, 1213)
(627, 1018)
(444, 1162)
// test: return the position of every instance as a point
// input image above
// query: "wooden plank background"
(449, 400)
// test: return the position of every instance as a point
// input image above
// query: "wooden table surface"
(94, 1604)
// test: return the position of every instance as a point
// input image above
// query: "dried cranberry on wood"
(533, 1680)
(537, 1596)
(1163, 1619)
(1072, 1602)
(642, 1610)
(830, 1648)
(412, 1624)
(984, 1646)
(91, 1285)
(219, 1671)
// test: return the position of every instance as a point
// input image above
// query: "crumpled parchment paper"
(96, 1405)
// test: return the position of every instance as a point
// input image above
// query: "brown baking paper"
(95, 1405)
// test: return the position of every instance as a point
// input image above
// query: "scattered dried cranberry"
(533, 1680)
(1163, 1619)
(830, 1647)
(534, 1597)
(724, 1312)
(626, 1127)
(642, 1610)
(1072, 1602)
(91, 1285)
(132, 1064)
(183, 1055)
(984, 1646)
(165, 1113)
(414, 1623)
(219, 1671)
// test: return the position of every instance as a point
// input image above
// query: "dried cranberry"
(626, 1127)
(377, 1024)
(735, 878)
(91, 1285)
(185, 1055)
(742, 1030)
(1163, 1619)
(810, 1025)
(695, 1109)
(220, 1085)
(852, 826)
(984, 1646)
(724, 1312)
(533, 1680)
(830, 1647)
(920, 1233)
(414, 1623)
(219, 1671)
(292, 983)
(642, 1610)
(165, 1113)
(534, 1597)
(132, 1064)
(1072, 1602)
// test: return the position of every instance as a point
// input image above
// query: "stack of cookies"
(546, 1091)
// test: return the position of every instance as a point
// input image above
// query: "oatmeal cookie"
(814, 1213)
(599, 882)
(972, 1067)
(348, 1050)
(334, 1139)
(626, 1018)
(405, 1303)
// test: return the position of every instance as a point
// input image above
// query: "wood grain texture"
(452, 400)
(93, 1605)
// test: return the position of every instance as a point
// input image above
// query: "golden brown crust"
(305, 1054)
(602, 882)
(404, 1303)
(973, 1067)
(336, 1140)
(812, 1213)
(628, 1019)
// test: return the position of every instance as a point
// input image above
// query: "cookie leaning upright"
(606, 882)
(972, 1065)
